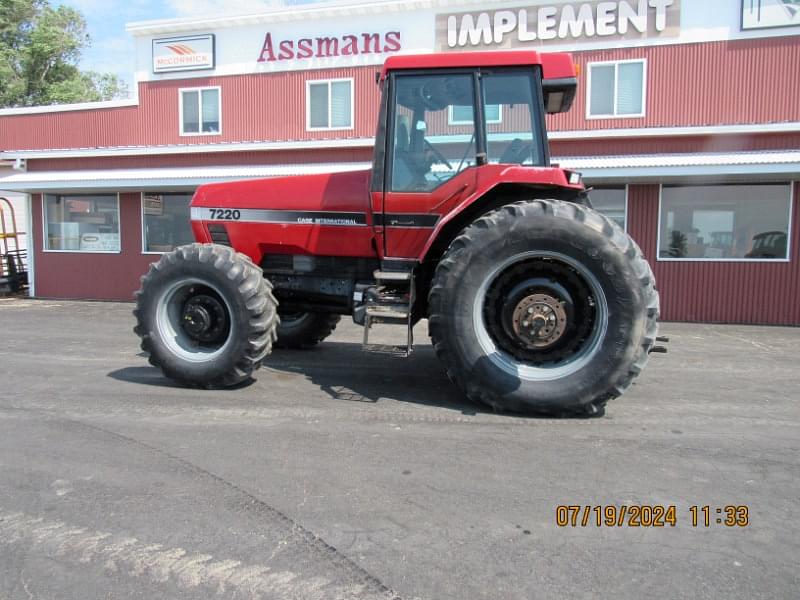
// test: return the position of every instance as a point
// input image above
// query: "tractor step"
(390, 304)
(388, 350)
(392, 275)
(394, 312)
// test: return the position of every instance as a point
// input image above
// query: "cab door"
(430, 155)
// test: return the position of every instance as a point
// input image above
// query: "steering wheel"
(439, 156)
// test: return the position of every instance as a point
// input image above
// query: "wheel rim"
(540, 316)
(194, 320)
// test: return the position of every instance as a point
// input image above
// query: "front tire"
(543, 306)
(304, 330)
(206, 316)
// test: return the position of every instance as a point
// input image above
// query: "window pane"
(611, 202)
(191, 112)
(166, 221)
(318, 105)
(462, 114)
(602, 84)
(629, 92)
(428, 149)
(341, 101)
(725, 221)
(211, 111)
(511, 127)
(82, 223)
(493, 113)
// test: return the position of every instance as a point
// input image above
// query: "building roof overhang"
(656, 168)
(368, 142)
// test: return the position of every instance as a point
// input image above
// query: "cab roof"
(555, 65)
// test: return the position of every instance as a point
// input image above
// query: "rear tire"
(206, 316)
(543, 306)
(302, 331)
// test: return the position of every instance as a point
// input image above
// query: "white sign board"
(188, 53)
(554, 23)
(761, 14)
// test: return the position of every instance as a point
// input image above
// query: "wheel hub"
(204, 318)
(539, 320)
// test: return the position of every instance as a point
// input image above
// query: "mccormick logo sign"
(567, 22)
(276, 49)
(190, 53)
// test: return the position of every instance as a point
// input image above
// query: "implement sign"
(567, 22)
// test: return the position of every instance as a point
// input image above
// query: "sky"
(112, 47)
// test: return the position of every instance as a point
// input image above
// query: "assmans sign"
(566, 22)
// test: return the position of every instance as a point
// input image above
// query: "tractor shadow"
(345, 372)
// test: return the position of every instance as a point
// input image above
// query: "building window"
(612, 202)
(165, 221)
(462, 115)
(725, 222)
(201, 112)
(616, 89)
(329, 104)
(81, 223)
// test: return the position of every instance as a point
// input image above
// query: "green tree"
(40, 47)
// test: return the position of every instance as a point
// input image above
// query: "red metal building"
(686, 122)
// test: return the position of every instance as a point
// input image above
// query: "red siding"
(258, 107)
(721, 292)
(94, 276)
(716, 83)
(675, 144)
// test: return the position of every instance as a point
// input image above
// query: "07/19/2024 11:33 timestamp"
(657, 515)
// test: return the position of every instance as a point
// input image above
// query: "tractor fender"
(496, 185)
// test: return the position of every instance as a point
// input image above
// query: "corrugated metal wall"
(258, 107)
(93, 276)
(720, 292)
(745, 81)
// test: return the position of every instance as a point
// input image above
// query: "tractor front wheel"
(543, 306)
(206, 315)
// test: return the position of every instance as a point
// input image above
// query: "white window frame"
(788, 258)
(199, 91)
(611, 185)
(141, 218)
(452, 121)
(309, 83)
(615, 63)
(44, 224)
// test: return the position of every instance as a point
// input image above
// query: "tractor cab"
(439, 119)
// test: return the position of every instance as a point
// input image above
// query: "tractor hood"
(342, 192)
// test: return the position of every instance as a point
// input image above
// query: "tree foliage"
(40, 46)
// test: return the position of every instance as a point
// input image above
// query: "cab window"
(429, 146)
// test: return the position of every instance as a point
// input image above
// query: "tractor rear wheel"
(543, 306)
(206, 315)
(304, 330)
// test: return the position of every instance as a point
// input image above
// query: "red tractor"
(535, 302)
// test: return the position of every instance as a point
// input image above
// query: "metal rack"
(13, 258)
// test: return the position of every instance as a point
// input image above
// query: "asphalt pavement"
(339, 475)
